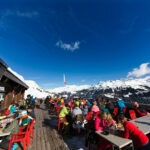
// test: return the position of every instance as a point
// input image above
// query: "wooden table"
(4, 122)
(3, 134)
(10, 115)
(143, 123)
(116, 140)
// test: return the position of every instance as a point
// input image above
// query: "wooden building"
(11, 87)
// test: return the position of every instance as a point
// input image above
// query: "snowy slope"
(70, 88)
(138, 83)
(34, 89)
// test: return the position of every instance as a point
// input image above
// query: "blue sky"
(88, 40)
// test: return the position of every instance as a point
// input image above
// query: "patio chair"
(60, 121)
(21, 137)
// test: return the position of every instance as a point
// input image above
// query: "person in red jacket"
(133, 133)
(139, 110)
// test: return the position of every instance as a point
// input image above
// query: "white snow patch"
(110, 95)
(128, 95)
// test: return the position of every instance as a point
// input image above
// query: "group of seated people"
(11, 119)
(103, 118)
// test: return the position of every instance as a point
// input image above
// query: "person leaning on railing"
(133, 133)
(139, 110)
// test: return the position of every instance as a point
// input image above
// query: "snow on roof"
(34, 89)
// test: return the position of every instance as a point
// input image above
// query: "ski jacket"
(132, 132)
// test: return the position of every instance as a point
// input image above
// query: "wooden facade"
(12, 88)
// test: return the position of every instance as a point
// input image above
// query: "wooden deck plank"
(45, 137)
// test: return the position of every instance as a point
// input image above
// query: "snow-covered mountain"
(34, 89)
(70, 88)
(140, 83)
(130, 89)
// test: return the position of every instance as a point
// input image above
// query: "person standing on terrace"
(64, 111)
(76, 111)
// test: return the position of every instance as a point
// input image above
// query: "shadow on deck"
(46, 136)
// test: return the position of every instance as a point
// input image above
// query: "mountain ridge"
(130, 89)
(137, 83)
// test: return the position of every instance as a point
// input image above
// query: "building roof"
(10, 75)
(3, 63)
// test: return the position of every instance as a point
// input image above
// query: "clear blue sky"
(88, 40)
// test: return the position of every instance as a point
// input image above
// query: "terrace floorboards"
(46, 136)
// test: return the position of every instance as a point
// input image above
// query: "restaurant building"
(11, 87)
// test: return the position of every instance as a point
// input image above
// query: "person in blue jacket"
(12, 108)
(120, 104)
(32, 100)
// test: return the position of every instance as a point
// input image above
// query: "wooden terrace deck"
(46, 136)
